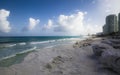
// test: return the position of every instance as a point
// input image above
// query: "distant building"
(119, 21)
(111, 24)
(105, 29)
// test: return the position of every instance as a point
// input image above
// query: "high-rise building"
(105, 29)
(119, 21)
(111, 22)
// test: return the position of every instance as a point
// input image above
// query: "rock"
(111, 59)
(98, 50)
(116, 37)
(115, 41)
(107, 42)
(116, 46)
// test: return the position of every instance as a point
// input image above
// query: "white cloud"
(75, 24)
(4, 23)
(105, 8)
(32, 24)
(109, 6)
(92, 29)
(49, 25)
(72, 23)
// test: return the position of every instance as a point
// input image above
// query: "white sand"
(59, 60)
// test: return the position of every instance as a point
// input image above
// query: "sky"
(54, 17)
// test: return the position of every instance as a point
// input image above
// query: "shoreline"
(60, 60)
(35, 48)
(18, 48)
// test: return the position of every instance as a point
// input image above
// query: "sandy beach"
(60, 60)
(59, 37)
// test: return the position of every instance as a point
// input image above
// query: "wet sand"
(59, 60)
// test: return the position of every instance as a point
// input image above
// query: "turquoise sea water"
(10, 46)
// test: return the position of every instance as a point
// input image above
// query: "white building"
(111, 25)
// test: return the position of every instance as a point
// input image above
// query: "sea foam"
(22, 43)
(41, 42)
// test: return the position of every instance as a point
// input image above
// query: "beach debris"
(48, 66)
(54, 65)
(83, 43)
(56, 61)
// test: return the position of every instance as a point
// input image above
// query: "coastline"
(61, 60)
(17, 46)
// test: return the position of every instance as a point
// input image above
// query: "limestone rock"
(115, 41)
(111, 59)
(107, 42)
(98, 49)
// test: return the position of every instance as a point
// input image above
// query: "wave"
(10, 45)
(41, 42)
(51, 41)
(68, 39)
(25, 51)
(31, 49)
(22, 43)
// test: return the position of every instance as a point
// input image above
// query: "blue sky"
(23, 9)
(53, 17)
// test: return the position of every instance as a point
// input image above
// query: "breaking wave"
(51, 41)
(25, 51)
(22, 43)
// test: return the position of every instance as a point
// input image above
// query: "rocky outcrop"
(108, 42)
(98, 49)
(111, 59)
(115, 41)
(109, 53)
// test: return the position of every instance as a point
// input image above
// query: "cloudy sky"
(54, 17)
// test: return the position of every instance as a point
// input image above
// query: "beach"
(60, 37)
(64, 59)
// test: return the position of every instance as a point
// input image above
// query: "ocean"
(10, 46)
